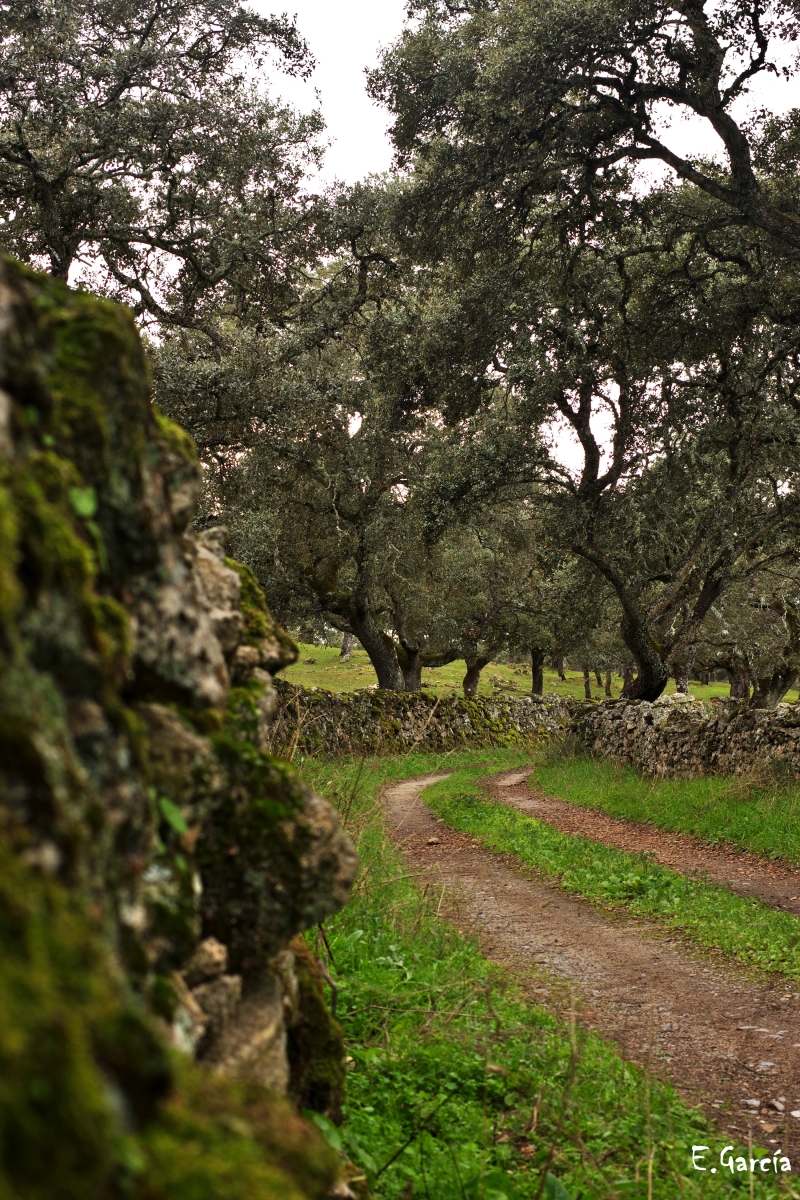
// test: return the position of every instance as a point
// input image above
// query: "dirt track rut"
(720, 1038)
(776, 882)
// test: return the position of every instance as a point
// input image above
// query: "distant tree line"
(380, 378)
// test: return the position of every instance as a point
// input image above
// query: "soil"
(725, 1040)
(775, 881)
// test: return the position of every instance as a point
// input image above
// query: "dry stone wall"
(158, 1012)
(674, 736)
(316, 721)
(678, 736)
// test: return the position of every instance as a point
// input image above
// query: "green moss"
(258, 624)
(59, 1002)
(248, 855)
(316, 1042)
(178, 441)
(219, 1140)
(10, 591)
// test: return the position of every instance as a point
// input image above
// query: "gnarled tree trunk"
(537, 671)
(608, 683)
(380, 648)
(473, 676)
(410, 662)
(346, 652)
(652, 671)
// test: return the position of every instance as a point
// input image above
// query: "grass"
(711, 916)
(459, 1088)
(760, 816)
(325, 671)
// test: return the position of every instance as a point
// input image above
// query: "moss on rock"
(127, 771)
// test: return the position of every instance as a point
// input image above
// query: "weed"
(459, 1089)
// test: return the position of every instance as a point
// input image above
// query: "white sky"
(345, 38)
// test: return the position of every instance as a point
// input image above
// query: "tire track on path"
(776, 882)
(719, 1037)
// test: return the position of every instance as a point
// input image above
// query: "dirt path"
(722, 1040)
(775, 882)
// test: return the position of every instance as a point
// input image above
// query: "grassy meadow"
(761, 815)
(326, 671)
(459, 1087)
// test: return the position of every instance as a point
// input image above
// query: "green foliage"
(757, 815)
(450, 1063)
(164, 188)
(711, 916)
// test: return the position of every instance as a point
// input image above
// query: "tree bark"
(559, 665)
(347, 648)
(473, 676)
(587, 683)
(740, 680)
(608, 683)
(627, 681)
(682, 678)
(598, 677)
(537, 671)
(652, 673)
(380, 649)
(770, 689)
(410, 662)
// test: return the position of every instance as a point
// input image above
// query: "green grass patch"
(760, 816)
(319, 666)
(711, 916)
(459, 1088)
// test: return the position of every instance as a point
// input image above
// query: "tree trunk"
(740, 681)
(347, 648)
(380, 648)
(682, 678)
(652, 673)
(473, 676)
(704, 677)
(627, 681)
(608, 683)
(537, 671)
(559, 665)
(587, 683)
(598, 677)
(770, 690)
(411, 665)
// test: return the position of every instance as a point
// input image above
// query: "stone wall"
(380, 722)
(674, 736)
(157, 1009)
(678, 736)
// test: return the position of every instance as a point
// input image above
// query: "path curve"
(718, 1037)
(776, 882)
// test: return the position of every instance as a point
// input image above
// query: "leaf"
(83, 501)
(359, 1155)
(492, 1186)
(327, 1128)
(554, 1189)
(172, 815)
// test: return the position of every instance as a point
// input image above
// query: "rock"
(123, 748)
(209, 961)
(252, 1045)
(219, 1000)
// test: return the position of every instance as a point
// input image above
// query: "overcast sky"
(345, 37)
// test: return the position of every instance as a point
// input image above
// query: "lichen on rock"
(140, 810)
